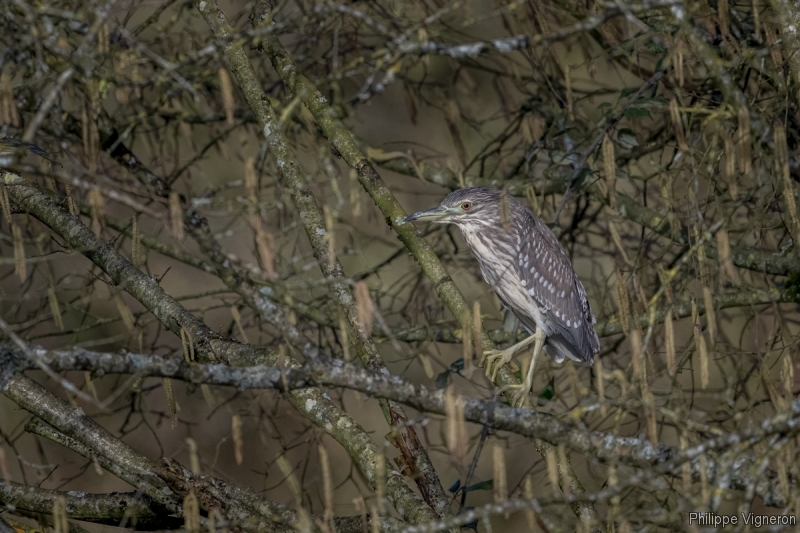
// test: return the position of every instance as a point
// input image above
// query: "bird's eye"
(466, 206)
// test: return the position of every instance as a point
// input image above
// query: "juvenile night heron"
(527, 267)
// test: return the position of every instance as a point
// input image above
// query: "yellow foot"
(520, 395)
(493, 360)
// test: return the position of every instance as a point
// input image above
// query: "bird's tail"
(560, 348)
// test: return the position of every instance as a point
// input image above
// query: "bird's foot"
(493, 360)
(520, 395)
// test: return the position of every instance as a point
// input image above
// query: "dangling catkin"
(327, 487)
(743, 140)
(610, 171)
(251, 180)
(60, 522)
(8, 104)
(330, 236)
(568, 90)
(635, 340)
(722, 16)
(20, 265)
(365, 306)
(724, 256)
(477, 330)
(782, 163)
(6, 204)
(669, 342)
(600, 384)
(266, 245)
(500, 484)
(194, 459)
(125, 313)
(136, 252)
(344, 338)
(700, 346)
(237, 319)
(55, 308)
(650, 413)
(530, 513)
(191, 513)
(615, 236)
(677, 125)
(176, 215)
(98, 210)
(226, 88)
(238, 441)
(623, 303)
(729, 164)
(711, 316)
(171, 403)
(288, 473)
(552, 468)
(380, 481)
(456, 426)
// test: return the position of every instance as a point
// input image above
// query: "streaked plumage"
(526, 265)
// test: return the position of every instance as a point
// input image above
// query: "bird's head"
(463, 206)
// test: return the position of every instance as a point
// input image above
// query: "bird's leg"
(493, 360)
(527, 385)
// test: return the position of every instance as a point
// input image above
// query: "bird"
(529, 270)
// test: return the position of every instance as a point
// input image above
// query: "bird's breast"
(497, 259)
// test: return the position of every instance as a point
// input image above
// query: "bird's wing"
(546, 271)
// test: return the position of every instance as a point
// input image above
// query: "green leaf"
(455, 486)
(548, 392)
(637, 113)
(483, 485)
(627, 138)
(442, 380)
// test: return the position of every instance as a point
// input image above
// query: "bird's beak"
(435, 214)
